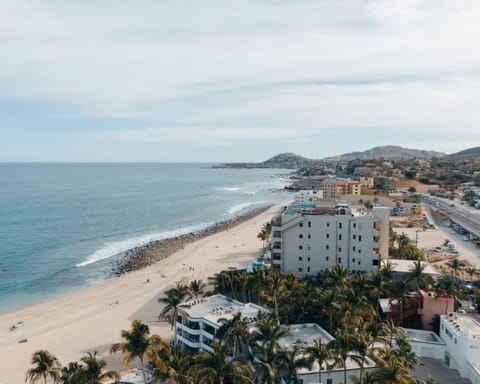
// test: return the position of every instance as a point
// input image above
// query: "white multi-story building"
(198, 320)
(309, 241)
(458, 344)
(307, 197)
(303, 335)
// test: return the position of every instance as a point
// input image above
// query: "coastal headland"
(91, 319)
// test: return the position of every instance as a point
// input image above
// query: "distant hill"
(387, 152)
(469, 152)
(282, 160)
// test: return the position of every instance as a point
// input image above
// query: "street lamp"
(416, 236)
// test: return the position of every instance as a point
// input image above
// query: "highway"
(466, 217)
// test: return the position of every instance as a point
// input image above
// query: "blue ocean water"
(62, 225)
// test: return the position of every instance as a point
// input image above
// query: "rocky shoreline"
(148, 254)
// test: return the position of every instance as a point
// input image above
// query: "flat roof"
(304, 335)
(406, 266)
(464, 322)
(421, 336)
(216, 307)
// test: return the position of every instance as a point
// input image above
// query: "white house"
(309, 241)
(307, 197)
(198, 320)
(303, 335)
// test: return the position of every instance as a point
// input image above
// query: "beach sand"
(91, 319)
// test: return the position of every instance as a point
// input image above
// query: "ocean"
(63, 225)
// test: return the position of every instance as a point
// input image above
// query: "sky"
(229, 80)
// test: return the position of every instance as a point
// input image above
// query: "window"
(354, 225)
(354, 237)
(308, 258)
(300, 269)
(353, 260)
(329, 381)
(375, 262)
(359, 237)
(328, 235)
(340, 225)
(326, 258)
(339, 259)
(328, 224)
(300, 258)
(308, 269)
(300, 236)
(353, 248)
(309, 224)
(327, 246)
(300, 247)
(359, 250)
(300, 225)
(276, 256)
(309, 236)
(339, 249)
(340, 237)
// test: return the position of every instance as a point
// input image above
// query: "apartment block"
(198, 320)
(334, 189)
(311, 240)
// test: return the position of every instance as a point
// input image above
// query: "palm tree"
(341, 346)
(320, 353)
(178, 362)
(274, 287)
(378, 287)
(217, 368)
(446, 286)
(173, 298)
(362, 343)
(471, 271)
(268, 332)
(195, 288)
(243, 280)
(71, 374)
(289, 362)
(330, 306)
(46, 365)
(401, 289)
(393, 372)
(456, 265)
(234, 333)
(92, 371)
(139, 343)
(337, 279)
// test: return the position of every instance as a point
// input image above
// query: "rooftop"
(304, 335)
(463, 322)
(423, 336)
(216, 307)
(406, 266)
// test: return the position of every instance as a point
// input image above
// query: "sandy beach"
(92, 319)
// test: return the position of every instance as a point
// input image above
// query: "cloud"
(283, 70)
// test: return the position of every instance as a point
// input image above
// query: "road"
(459, 214)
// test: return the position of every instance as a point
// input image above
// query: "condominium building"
(311, 240)
(334, 189)
(198, 320)
(307, 197)
(303, 335)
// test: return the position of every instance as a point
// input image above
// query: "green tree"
(92, 371)
(341, 346)
(71, 374)
(172, 300)
(138, 344)
(196, 288)
(178, 362)
(218, 368)
(320, 353)
(234, 333)
(45, 365)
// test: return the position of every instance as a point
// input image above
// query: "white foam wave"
(117, 247)
(240, 207)
(230, 189)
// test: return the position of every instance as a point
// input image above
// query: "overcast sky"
(235, 80)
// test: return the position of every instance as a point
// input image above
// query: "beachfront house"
(458, 344)
(198, 320)
(303, 335)
(308, 239)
